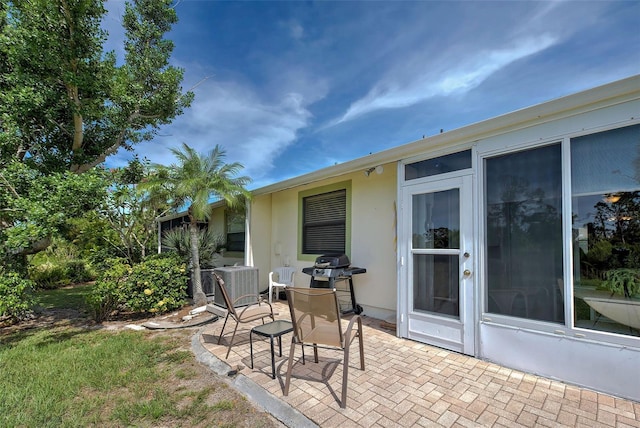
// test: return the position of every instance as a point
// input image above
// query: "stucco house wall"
(274, 228)
(258, 247)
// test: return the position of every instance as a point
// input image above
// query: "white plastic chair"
(285, 279)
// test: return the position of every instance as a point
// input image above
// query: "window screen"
(524, 234)
(324, 223)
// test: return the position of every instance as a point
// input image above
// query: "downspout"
(248, 253)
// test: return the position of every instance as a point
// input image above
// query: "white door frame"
(447, 332)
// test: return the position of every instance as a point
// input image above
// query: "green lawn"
(65, 376)
(64, 298)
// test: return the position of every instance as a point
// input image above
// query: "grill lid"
(332, 261)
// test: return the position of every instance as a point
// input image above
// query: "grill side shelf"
(355, 270)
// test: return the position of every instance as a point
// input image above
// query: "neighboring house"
(489, 240)
(229, 224)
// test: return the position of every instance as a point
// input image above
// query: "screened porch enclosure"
(524, 234)
(605, 190)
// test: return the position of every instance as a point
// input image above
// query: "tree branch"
(21, 152)
(79, 169)
(11, 188)
(37, 246)
(62, 127)
(195, 86)
(72, 90)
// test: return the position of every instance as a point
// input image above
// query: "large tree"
(35, 207)
(192, 183)
(65, 104)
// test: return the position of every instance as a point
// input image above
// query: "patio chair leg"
(360, 339)
(345, 372)
(289, 366)
(231, 343)
(223, 326)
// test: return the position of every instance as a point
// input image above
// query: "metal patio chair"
(243, 314)
(315, 314)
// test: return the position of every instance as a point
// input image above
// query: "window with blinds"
(235, 230)
(324, 223)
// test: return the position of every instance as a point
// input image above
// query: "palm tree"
(193, 182)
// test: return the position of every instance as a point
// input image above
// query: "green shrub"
(76, 271)
(600, 253)
(55, 274)
(106, 296)
(98, 258)
(59, 265)
(48, 275)
(179, 240)
(625, 282)
(156, 285)
(16, 295)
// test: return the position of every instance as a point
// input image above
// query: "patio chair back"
(315, 316)
(228, 302)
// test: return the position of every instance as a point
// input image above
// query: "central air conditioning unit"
(239, 280)
(208, 282)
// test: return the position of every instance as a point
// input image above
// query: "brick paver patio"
(406, 383)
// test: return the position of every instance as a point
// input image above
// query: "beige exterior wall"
(275, 227)
(258, 237)
(373, 240)
(216, 222)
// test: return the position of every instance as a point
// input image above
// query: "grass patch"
(77, 377)
(64, 298)
(45, 373)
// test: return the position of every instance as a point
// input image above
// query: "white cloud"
(251, 131)
(296, 30)
(402, 89)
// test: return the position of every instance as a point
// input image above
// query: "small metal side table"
(271, 330)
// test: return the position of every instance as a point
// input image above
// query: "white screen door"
(437, 271)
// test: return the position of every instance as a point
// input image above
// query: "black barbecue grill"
(330, 269)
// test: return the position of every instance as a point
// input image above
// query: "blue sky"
(292, 87)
